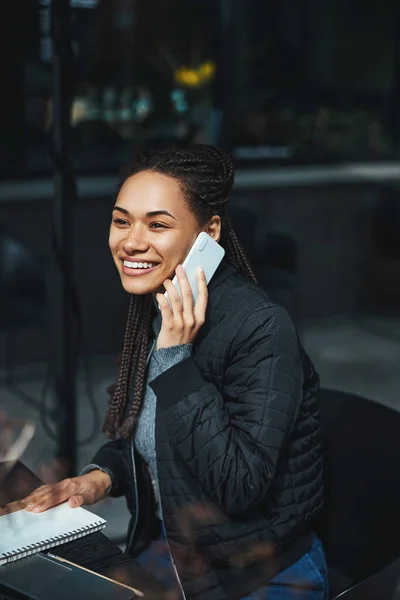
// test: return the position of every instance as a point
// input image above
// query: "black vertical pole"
(12, 115)
(62, 322)
(223, 91)
(395, 112)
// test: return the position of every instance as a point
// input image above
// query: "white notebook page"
(22, 528)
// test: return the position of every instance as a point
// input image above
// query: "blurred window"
(315, 81)
(295, 82)
(144, 75)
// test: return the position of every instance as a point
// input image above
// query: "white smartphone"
(205, 253)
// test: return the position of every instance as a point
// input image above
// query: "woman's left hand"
(182, 322)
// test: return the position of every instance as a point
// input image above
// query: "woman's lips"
(139, 272)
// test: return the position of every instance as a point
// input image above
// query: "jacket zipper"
(136, 518)
(173, 564)
(135, 522)
(137, 500)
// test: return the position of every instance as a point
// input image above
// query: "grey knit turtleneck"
(144, 440)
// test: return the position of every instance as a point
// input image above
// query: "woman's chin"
(139, 288)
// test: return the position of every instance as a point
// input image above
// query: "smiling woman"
(215, 414)
(153, 225)
(166, 200)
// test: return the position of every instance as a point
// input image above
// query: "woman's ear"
(214, 228)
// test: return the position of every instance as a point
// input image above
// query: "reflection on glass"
(313, 83)
(298, 83)
(137, 81)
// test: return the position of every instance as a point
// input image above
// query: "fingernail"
(179, 268)
(37, 509)
(29, 506)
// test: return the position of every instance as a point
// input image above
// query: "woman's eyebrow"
(152, 213)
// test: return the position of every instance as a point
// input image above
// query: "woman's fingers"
(180, 319)
(51, 495)
(202, 298)
(85, 489)
(166, 310)
(187, 297)
(76, 501)
(174, 298)
(34, 498)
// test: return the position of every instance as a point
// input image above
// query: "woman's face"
(151, 232)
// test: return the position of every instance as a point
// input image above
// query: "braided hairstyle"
(206, 175)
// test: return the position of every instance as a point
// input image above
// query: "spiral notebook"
(23, 533)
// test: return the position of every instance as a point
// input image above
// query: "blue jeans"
(306, 579)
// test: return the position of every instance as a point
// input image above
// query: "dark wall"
(332, 231)
(332, 227)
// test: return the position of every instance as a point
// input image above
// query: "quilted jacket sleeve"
(231, 442)
(111, 459)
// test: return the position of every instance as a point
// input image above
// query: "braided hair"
(206, 176)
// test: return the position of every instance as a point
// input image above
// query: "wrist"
(100, 478)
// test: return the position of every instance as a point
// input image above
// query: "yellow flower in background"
(189, 77)
(207, 70)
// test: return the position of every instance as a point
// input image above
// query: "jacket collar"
(224, 271)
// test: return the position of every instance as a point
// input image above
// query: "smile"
(135, 269)
(138, 265)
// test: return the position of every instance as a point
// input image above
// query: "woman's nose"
(135, 243)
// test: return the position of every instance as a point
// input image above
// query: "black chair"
(22, 296)
(384, 585)
(360, 525)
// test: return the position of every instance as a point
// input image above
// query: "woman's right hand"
(85, 489)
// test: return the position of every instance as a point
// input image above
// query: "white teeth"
(137, 265)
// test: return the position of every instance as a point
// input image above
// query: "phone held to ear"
(205, 253)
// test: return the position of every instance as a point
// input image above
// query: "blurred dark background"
(283, 83)
(305, 96)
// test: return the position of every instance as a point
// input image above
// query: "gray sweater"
(145, 444)
(144, 439)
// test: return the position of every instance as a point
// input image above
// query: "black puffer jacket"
(238, 445)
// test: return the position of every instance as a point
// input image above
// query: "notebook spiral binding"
(51, 542)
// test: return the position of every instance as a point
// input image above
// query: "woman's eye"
(120, 221)
(157, 226)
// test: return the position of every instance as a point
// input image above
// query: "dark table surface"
(95, 551)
